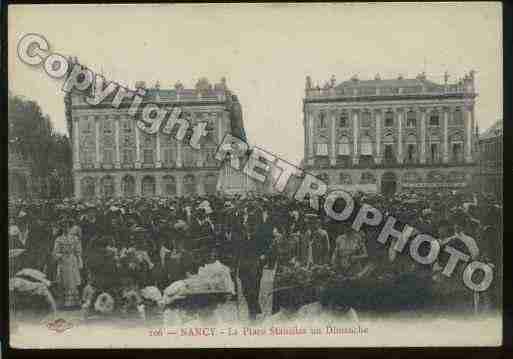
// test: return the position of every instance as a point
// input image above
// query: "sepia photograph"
(230, 175)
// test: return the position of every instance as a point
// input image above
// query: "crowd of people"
(109, 245)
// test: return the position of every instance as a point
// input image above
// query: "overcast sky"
(265, 52)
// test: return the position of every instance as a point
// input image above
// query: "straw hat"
(104, 303)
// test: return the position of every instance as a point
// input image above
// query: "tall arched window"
(388, 145)
(188, 156)
(209, 154)
(434, 148)
(344, 147)
(457, 117)
(169, 185)
(411, 119)
(107, 186)
(434, 119)
(411, 149)
(456, 142)
(148, 186)
(189, 185)
(210, 184)
(389, 119)
(88, 187)
(322, 120)
(366, 146)
(366, 119)
(128, 186)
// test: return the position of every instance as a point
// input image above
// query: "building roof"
(385, 83)
(494, 131)
(400, 86)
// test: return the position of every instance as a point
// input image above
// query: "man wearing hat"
(253, 249)
(319, 243)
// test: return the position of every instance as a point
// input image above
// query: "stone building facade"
(113, 158)
(385, 135)
(20, 174)
(490, 175)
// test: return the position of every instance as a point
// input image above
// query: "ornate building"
(490, 161)
(386, 135)
(112, 157)
(20, 174)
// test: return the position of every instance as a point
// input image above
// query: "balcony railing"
(384, 91)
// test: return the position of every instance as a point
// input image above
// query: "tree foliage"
(32, 135)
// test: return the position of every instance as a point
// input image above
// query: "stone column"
(97, 142)
(158, 185)
(137, 148)
(220, 127)
(179, 184)
(199, 184)
(117, 185)
(355, 136)
(97, 188)
(178, 154)
(468, 110)
(138, 188)
(76, 143)
(400, 114)
(422, 135)
(116, 138)
(76, 185)
(158, 162)
(445, 157)
(310, 137)
(377, 116)
(333, 136)
(199, 158)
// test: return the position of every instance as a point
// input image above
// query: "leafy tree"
(32, 135)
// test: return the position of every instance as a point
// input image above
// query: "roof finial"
(308, 85)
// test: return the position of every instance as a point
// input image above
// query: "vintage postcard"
(255, 175)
